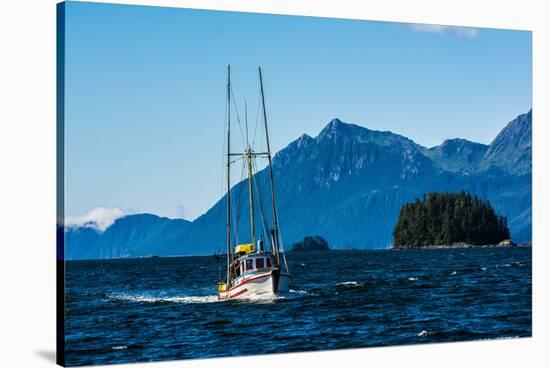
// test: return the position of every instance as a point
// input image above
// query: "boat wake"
(152, 299)
(267, 298)
(163, 299)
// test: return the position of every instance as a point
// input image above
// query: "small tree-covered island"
(311, 243)
(447, 219)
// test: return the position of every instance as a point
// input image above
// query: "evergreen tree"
(449, 218)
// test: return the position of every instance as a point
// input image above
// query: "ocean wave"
(413, 279)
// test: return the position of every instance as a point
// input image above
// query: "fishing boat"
(257, 267)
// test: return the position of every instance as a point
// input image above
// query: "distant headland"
(311, 243)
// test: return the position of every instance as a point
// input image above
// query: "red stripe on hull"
(237, 294)
(249, 280)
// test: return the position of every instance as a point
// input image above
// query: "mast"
(228, 282)
(249, 155)
(275, 244)
(251, 195)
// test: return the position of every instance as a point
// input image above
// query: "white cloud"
(466, 32)
(182, 211)
(99, 218)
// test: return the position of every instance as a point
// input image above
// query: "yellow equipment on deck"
(245, 248)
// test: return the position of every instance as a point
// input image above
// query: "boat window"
(238, 270)
(268, 262)
(249, 264)
(260, 263)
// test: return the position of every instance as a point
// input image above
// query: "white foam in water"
(302, 292)
(259, 298)
(293, 294)
(453, 273)
(170, 299)
(268, 298)
(483, 269)
(413, 278)
(348, 284)
(422, 333)
(204, 299)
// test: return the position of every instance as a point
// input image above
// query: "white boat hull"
(258, 285)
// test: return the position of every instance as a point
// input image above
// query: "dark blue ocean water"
(121, 311)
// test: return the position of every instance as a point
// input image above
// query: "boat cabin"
(248, 260)
(252, 263)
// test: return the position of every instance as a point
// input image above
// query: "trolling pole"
(228, 282)
(275, 218)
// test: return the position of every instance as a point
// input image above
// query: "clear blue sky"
(145, 89)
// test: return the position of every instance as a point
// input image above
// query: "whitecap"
(453, 273)
(348, 284)
(302, 292)
(483, 269)
(413, 278)
(422, 333)
(120, 347)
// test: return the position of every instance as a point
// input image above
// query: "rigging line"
(235, 160)
(257, 119)
(241, 192)
(280, 242)
(235, 225)
(282, 248)
(259, 188)
(237, 114)
(222, 181)
(237, 214)
(246, 122)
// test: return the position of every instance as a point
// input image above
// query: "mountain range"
(347, 185)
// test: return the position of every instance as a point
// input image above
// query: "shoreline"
(463, 246)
